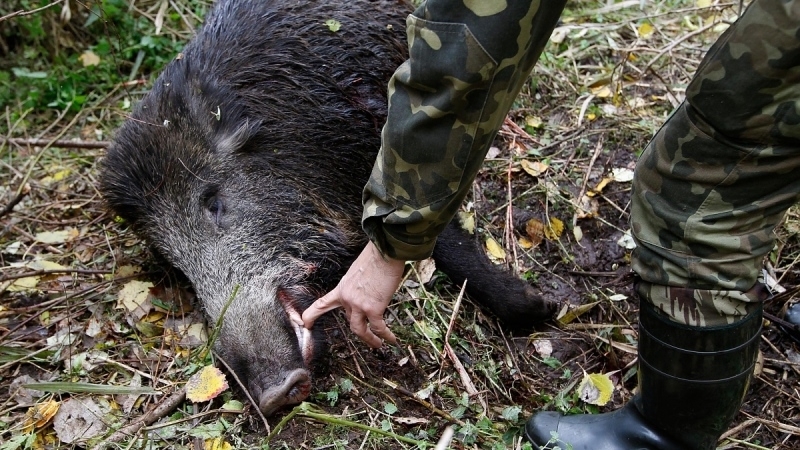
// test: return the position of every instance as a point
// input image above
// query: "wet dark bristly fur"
(244, 168)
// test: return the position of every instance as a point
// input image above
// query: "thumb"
(327, 302)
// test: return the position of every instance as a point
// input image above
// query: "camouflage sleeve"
(468, 59)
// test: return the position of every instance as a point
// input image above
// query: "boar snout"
(294, 388)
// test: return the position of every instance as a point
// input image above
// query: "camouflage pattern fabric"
(718, 177)
(468, 61)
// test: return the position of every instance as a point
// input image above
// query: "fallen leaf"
(39, 415)
(56, 237)
(126, 271)
(589, 207)
(133, 298)
(554, 230)
(24, 284)
(467, 220)
(703, 3)
(543, 347)
(525, 243)
(535, 230)
(626, 241)
(534, 168)
(600, 186)
(425, 270)
(601, 92)
(410, 420)
(645, 30)
(217, 443)
(568, 314)
(89, 58)
(596, 388)
(333, 25)
(41, 264)
(494, 249)
(206, 384)
(559, 34)
(533, 121)
(578, 233)
(622, 174)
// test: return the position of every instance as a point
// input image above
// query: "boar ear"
(233, 138)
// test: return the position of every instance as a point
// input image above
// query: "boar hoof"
(294, 389)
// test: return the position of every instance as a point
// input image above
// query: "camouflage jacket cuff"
(393, 242)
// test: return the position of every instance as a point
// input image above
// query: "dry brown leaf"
(535, 230)
(89, 58)
(534, 168)
(39, 415)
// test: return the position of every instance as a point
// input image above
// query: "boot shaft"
(692, 380)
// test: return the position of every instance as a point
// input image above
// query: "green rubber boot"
(692, 381)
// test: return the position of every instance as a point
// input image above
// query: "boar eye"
(215, 207)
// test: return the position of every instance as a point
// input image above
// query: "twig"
(37, 273)
(677, 41)
(22, 12)
(305, 410)
(163, 408)
(246, 391)
(422, 402)
(59, 143)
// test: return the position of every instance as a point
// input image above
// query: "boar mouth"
(304, 339)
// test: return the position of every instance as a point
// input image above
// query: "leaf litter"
(130, 324)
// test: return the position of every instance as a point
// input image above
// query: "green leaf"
(87, 388)
(389, 408)
(333, 25)
(511, 413)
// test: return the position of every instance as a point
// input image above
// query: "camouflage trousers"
(720, 174)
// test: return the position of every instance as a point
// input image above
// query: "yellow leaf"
(216, 444)
(41, 264)
(535, 230)
(602, 91)
(534, 168)
(89, 58)
(494, 249)
(600, 186)
(24, 284)
(525, 243)
(554, 229)
(596, 388)
(467, 221)
(569, 314)
(591, 116)
(533, 121)
(206, 384)
(703, 3)
(40, 415)
(645, 30)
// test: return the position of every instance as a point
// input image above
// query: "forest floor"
(552, 203)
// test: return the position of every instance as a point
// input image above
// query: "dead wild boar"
(244, 166)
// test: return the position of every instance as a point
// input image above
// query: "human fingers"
(327, 302)
(358, 325)
(379, 328)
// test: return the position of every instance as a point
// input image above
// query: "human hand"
(364, 292)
